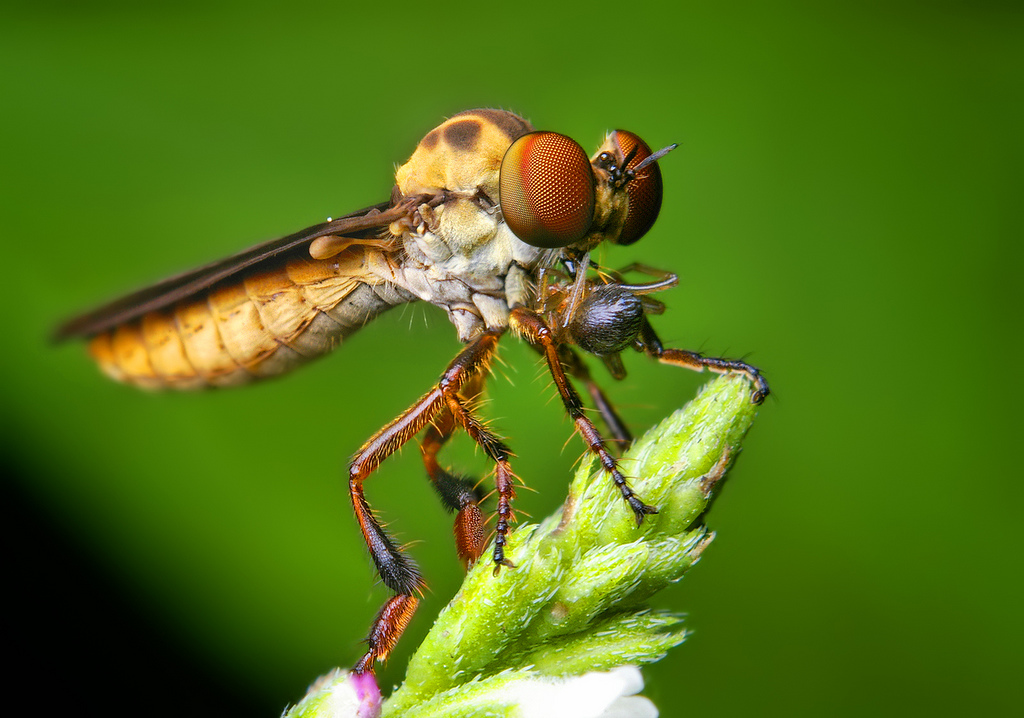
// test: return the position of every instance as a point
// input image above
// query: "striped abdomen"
(262, 325)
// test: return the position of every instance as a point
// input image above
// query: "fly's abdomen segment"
(263, 325)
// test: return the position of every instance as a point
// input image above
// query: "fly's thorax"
(464, 239)
(461, 225)
(462, 155)
(460, 162)
(458, 250)
(463, 259)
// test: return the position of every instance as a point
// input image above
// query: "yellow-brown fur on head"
(611, 204)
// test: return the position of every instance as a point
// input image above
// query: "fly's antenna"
(655, 157)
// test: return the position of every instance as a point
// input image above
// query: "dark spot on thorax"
(463, 134)
(511, 124)
(430, 141)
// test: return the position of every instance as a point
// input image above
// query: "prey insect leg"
(534, 329)
(649, 342)
(458, 493)
(397, 570)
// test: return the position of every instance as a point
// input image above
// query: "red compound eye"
(643, 191)
(547, 190)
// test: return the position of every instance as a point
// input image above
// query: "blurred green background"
(841, 211)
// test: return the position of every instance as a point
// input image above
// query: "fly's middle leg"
(534, 329)
(575, 366)
(397, 570)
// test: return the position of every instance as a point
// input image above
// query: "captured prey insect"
(489, 220)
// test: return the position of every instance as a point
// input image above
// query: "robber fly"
(488, 220)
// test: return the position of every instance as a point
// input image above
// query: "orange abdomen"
(262, 325)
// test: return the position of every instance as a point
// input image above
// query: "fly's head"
(553, 197)
(629, 187)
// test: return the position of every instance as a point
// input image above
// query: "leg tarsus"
(649, 343)
(504, 479)
(503, 562)
(699, 362)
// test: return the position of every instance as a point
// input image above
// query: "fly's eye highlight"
(643, 190)
(547, 190)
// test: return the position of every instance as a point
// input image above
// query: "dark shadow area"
(78, 642)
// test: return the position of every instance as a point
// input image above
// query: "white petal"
(631, 707)
(591, 695)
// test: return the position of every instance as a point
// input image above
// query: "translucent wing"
(364, 223)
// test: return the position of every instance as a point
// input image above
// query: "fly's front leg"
(397, 570)
(665, 278)
(458, 493)
(534, 329)
(649, 342)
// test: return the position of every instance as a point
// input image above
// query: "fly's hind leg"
(534, 329)
(458, 494)
(649, 343)
(398, 572)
